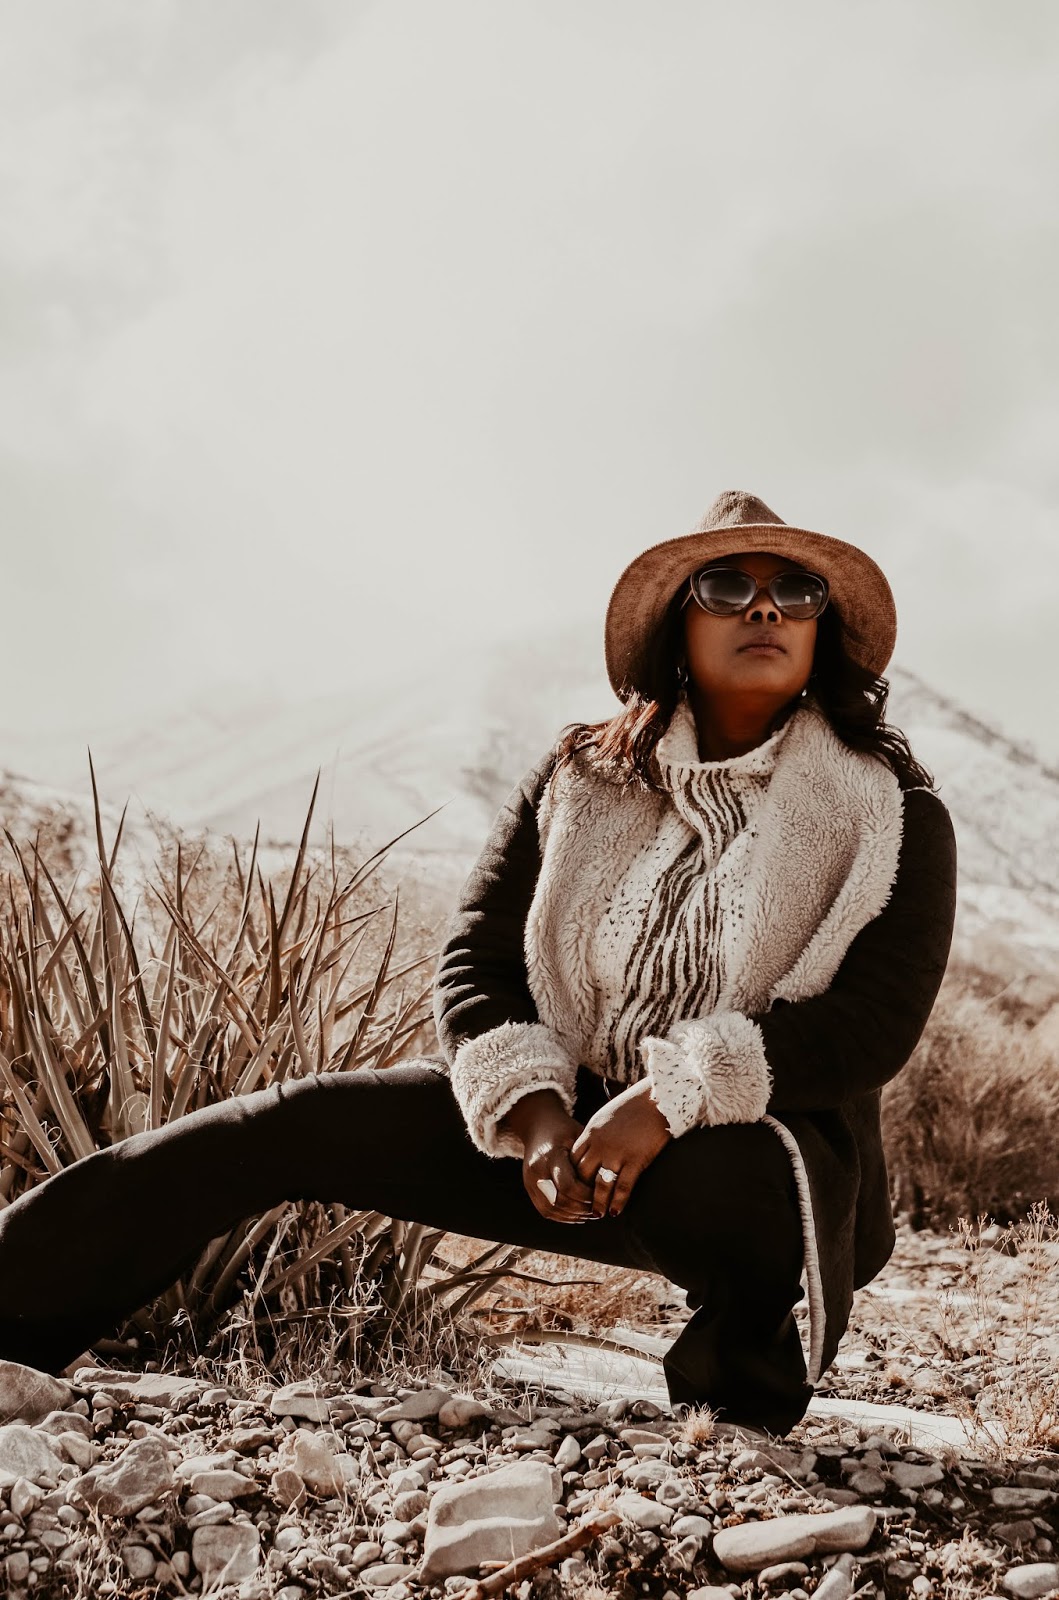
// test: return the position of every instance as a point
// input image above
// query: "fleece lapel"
(821, 866)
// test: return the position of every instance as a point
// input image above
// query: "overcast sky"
(339, 336)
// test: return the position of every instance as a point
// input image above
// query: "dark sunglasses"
(722, 591)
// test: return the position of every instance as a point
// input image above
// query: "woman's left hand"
(617, 1143)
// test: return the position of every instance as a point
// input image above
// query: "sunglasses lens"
(799, 594)
(723, 590)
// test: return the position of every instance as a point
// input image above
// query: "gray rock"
(647, 1474)
(568, 1454)
(679, 1494)
(139, 1562)
(641, 1512)
(385, 1573)
(26, 1497)
(1033, 1581)
(64, 1421)
(227, 1553)
(317, 1463)
(837, 1584)
(190, 1466)
(410, 1504)
(868, 1482)
(26, 1395)
(782, 1571)
(426, 1403)
(17, 1567)
(216, 1512)
(692, 1528)
(461, 1410)
(300, 1400)
(914, 1475)
(25, 1453)
(223, 1485)
(1011, 1533)
(1016, 1498)
(78, 1449)
(139, 1475)
(368, 1551)
(712, 1591)
(495, 1517)
(753, 1545)
(163, 1389)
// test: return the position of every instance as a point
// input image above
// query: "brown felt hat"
(738, 521)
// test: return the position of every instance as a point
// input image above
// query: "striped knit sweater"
(668, 928)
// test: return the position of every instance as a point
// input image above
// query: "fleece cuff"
(497, 1068)
(709, 1071)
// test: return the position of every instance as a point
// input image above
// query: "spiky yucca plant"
(231, 982)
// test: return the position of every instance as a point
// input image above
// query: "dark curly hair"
(852, 698)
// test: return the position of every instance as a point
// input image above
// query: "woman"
(699, 940)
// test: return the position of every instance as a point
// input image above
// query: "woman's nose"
(769, 610)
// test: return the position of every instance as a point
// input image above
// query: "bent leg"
(717, 1213)
(90, 1245)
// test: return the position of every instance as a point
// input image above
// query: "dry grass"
(963, 1121)
(119, 1017)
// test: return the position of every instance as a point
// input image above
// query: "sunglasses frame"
(692, 594)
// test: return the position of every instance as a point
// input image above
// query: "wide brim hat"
(738, 521)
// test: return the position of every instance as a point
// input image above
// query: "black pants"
(715, 1213)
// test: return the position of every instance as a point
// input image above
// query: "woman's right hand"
(547, 1131)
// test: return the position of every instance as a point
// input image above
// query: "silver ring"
(607, 1176)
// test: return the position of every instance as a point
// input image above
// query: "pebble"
(386, 1572)
(461, 1410)
(422, 1406)
(26, 1453)
(136, 1478)
(1015, 1498)
(568, 1454)
(643, 1513)
(226, 1554)
(299, 1400)
(1032, 1582)
(752, 1545)
(139, 1561)
(1011, 1533)
(27, 1395)
(912, 1475)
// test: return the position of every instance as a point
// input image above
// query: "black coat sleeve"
(481, 981)
(859, 1033)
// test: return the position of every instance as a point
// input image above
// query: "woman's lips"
(762, 649)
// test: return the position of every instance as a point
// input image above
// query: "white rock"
(647, 1474)
(409, 1505)
(1033, 1581)
(215, 1462)
(495, 1517)
(643, 1513)
(679, 1494)
(26, 1395)
(226, 1553)
(461, 1410)
(322, 1468)
(568, 1454)
(753, 1545)
(25, 1453)
(139, 1475)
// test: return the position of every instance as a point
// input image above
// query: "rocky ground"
(160, 1483)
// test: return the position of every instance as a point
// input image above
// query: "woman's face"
(719, 664)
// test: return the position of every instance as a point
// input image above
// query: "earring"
(682, 674)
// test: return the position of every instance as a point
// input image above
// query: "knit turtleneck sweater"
(669, 923)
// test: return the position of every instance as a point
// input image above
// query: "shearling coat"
(842, 906)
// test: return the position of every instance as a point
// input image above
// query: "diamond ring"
(607, 1176)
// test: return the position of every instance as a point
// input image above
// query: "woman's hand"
(547, 1132)
(622, 1138)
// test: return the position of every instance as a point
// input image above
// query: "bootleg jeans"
(715, 1213)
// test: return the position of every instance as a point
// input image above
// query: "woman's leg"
(717, 1213)
(87, 1247)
